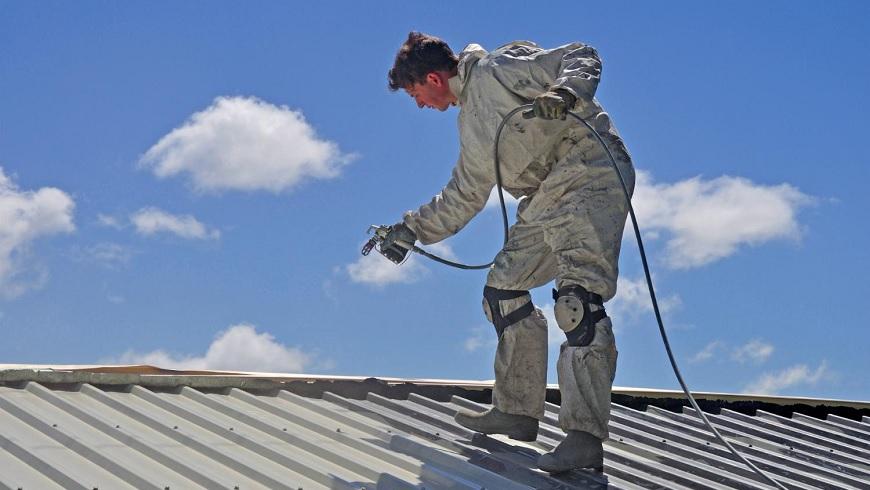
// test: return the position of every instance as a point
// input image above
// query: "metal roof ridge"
(740, 397)
(148, 375)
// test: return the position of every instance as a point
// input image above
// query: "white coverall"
(569, 221)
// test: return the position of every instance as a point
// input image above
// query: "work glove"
(554, 104)
(392, 250)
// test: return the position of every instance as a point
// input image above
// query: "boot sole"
(596, 469)
(524, 437)
(515, 437)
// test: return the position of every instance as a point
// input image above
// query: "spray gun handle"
(379, 233)
(404, 244)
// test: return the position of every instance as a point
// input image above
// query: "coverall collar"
(467, 59)
(455, 87)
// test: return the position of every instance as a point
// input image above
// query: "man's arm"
(578, 73)
(462, 198)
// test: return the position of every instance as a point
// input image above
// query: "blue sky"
(189, 185)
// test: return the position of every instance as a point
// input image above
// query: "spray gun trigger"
(379, 234)
(367, 248)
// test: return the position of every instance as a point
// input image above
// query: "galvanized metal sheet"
(85, 436)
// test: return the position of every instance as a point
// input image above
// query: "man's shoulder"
(515, 48)
(507, 56)
(518, 43)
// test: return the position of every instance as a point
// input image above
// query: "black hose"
(652, 294)
(448, 262)
(504, 215)
(495, 159)
(658, 314)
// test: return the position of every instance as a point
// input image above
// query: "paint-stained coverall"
(569, 220)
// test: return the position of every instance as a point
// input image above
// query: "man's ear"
(435, 78)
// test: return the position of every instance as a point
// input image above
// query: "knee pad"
(575, 316)
(492, 298)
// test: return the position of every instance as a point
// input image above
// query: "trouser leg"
(586, 242)
(521, 367)
(585, 379)
(521, 357)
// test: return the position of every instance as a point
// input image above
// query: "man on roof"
(568, 226)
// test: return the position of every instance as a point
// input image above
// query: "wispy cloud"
(107, 254)
(238, 348)
(149, 221)
(116, 299)
(707, 220)
(482, 337)
(245, 144)
(632, 299)
(708, 351)
(109, 221)
(26, 216)
(755, 351)
(793, 377)
(375, 270)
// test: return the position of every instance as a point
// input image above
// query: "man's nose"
(419, 104)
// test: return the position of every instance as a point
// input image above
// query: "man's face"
(433, 93)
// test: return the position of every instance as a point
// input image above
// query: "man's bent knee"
(577, 311)
(504, 307)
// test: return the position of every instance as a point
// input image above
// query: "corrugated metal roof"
(86, 436)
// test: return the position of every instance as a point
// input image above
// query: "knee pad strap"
(493, 296)
(575, 316)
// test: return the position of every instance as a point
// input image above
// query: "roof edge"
(742, 397)
(153, 376)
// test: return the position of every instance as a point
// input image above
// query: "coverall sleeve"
(462, 198)
(579, 71)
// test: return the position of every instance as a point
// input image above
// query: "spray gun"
(377, 240)
(380, 234)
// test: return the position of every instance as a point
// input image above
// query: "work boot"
(578, 450)
(494, 421)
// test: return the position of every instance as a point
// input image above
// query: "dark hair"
(420, 55)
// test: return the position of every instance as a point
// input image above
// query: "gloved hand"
(392, 250)
(554, 104)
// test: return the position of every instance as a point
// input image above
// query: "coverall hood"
(467, 59)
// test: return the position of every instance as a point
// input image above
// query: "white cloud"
(374, 269)
(24, 217)
(246, 144)
(632, 299)
(708, 351)
(116, 299)
(707, 220)
(441, 249)
(753, 351)
(109, 221)
(798, 375)
(149, 221)
(239, 348)
(107, 254)
(481, 338)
